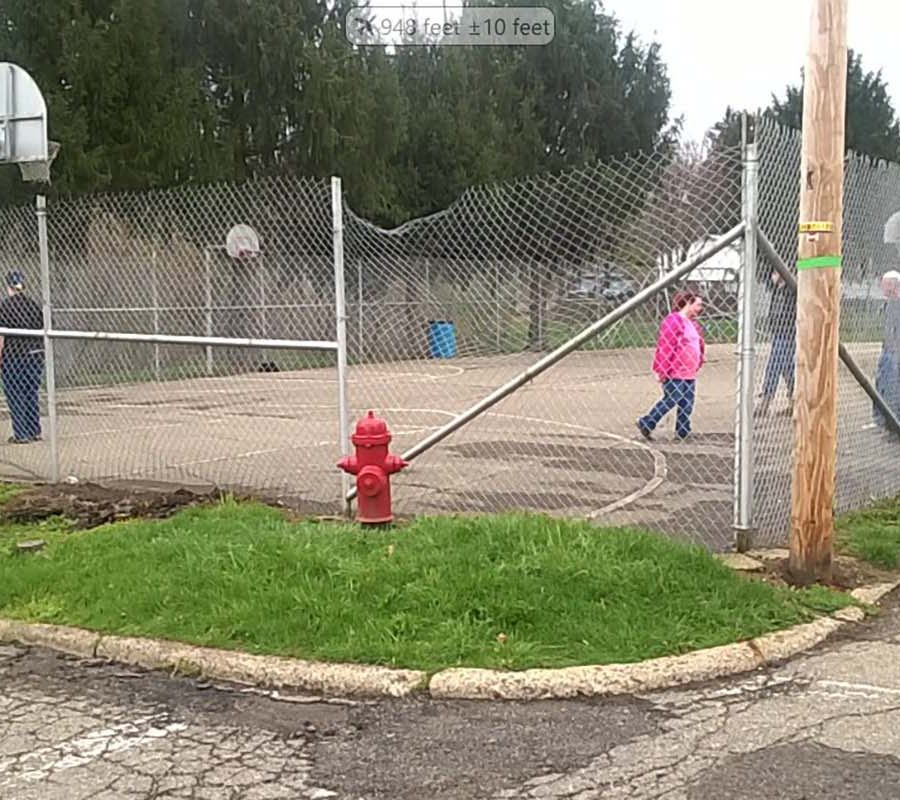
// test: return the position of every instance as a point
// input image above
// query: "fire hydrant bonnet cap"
(371, 431)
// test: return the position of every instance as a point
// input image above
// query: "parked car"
(610, 287)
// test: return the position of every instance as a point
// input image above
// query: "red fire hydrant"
(372, 466)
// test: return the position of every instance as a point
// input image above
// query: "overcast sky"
(725, 52)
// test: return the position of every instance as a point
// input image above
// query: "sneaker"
(645, 432)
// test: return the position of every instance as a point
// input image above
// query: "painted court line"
(848, 688)
(660, 469)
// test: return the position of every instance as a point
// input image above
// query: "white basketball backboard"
(23, 117)
(242, 242)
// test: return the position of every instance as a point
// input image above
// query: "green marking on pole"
(820, 262)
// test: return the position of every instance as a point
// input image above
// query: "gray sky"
(724, 52)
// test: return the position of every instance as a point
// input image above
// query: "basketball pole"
(818, 295)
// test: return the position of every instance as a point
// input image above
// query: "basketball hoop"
(242, 243)
(23, 125)
(38, 170)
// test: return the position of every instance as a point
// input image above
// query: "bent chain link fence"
(867, 452)
(444, 310)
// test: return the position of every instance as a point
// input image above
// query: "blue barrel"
(441, 338)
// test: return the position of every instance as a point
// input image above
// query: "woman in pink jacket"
(680, 352)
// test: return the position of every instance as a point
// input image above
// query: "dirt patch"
(88, 505)
(848, 573)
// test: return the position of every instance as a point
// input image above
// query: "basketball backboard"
(242, 242)
(23, 117)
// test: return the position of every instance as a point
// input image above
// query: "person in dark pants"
(783, 329)
(21, 360)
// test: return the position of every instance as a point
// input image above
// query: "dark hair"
(683, 298)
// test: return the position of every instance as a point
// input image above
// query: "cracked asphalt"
(824, 726)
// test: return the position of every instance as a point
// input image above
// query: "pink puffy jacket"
(670, 345)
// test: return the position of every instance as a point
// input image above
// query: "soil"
(88, 505)
(848, 573)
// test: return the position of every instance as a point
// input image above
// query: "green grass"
(504, 591)
(625, 334)
(9, 490)
(872, 534)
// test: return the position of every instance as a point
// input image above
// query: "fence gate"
(169, 358)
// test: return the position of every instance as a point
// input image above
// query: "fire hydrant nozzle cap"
(371, 431)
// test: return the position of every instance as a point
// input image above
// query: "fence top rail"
(156, 338)
(199, 308)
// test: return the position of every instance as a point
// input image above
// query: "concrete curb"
(360, 680)
(654, 674)
(346, 680)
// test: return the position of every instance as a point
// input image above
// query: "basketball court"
(565, 443)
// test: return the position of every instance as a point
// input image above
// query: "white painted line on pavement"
(864, 689)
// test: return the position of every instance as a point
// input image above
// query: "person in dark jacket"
(887, 378)
(21, 360)
(783, 330)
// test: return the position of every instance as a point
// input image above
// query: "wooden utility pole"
(818, 294)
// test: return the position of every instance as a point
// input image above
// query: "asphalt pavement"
(824, 726)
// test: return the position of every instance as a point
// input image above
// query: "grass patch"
(628, 333)
(872, 534)
(10, 490)
(509, 591)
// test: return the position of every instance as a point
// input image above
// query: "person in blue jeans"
(783, 329)
(21, 360)
(887, 376)
(680, 353)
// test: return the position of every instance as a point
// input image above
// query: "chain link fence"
(154, 263)
(509, 340)
(867, 451)
(450, 308)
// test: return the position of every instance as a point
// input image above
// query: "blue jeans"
(678, 393)
(887, 383)
(780, 365)
(21, 382)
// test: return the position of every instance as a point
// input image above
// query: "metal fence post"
(499, 309)
(154, 278)
(264, 322)
(340, 301)
(743, 481)
(209, 320)
(360, 340)
(48, 342)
